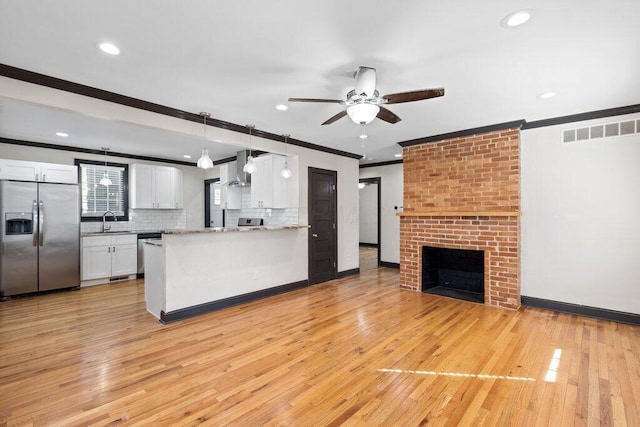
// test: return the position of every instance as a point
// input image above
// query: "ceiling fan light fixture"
(205, 162)
(363, 113)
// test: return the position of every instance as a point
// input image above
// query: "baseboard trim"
(389, 264)
(582, 310)
(196, 310)
(368, 245)
(352, 272)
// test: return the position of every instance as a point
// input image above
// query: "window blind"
(98, 199)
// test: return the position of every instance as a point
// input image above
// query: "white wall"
(580, 226)
(369, 214)
(391, 185)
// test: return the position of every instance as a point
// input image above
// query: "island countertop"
(190, 272)
(234, 229)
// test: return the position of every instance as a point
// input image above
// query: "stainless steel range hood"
(243, 179)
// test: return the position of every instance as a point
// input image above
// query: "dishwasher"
(141, 238)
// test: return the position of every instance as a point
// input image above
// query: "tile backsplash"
(144, 220)
(275, 217)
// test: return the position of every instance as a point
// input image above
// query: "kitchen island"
(192, 272)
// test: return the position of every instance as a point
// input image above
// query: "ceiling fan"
(364, 103)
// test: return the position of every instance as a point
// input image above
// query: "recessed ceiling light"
(62, 134)
(547, 95)
(398, 155)
(516, 19)
(186, 156)
(282, 107)
(109, 48)
(364, 136)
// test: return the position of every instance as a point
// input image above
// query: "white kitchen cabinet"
(268, 188)
(21, 170)
(230, 197)
(155, 187)
(109, 256)
(176, 181)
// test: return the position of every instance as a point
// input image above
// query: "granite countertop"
(233, 229)
(108, 233)
(111, 233)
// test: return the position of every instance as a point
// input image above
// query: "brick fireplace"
(464, 193)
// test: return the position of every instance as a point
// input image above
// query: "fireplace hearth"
(455, 273)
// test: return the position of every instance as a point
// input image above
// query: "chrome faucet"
(104, 221)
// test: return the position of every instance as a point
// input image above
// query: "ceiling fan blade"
(365, 81)
(388, 116)
(329, 101)
(338, 116)
(416, 95)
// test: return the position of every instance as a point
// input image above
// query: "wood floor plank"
(354, 351)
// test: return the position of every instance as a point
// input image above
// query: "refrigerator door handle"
(34, 216)
(41, 224)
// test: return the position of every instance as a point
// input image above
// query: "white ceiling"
(238, 59)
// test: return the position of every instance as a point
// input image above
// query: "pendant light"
(204, 162)
(250, 166)
(286, 172)
(106, 181)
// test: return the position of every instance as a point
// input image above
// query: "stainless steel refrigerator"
(39, 237)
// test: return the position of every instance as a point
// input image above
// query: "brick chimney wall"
(464, 193)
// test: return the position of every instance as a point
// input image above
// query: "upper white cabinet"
(230, 197)
(268, 188)
(155, 187)
(21, 170)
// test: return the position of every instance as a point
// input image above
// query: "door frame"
(376, 180)
(334, 173)
(207, 202)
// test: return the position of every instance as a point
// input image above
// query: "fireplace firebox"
(455, 273)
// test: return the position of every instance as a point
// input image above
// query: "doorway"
(323, 232)
(370, 236)
(213, 212)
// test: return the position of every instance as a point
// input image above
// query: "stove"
(250, 222)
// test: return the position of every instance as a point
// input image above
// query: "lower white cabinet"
(109, 256)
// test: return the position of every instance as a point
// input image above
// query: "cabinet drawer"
(128, 239)
(92, 241)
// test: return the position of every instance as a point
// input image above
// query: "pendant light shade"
(250, 166)
(286, 172)
(105, 181)
(205, 162)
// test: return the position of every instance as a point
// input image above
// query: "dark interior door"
(323, 235)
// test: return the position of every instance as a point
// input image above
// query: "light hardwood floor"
(354, 351)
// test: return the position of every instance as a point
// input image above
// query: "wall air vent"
(606, 130)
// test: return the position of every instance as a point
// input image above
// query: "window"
(98, 199)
